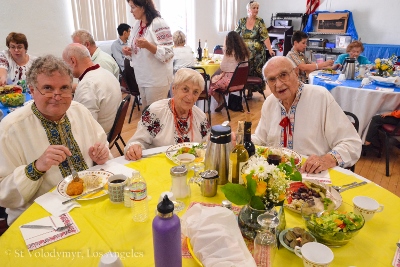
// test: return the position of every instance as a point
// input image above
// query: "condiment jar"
(180, 187)
(209, 183)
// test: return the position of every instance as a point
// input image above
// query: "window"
(227, 15)
(100, 17)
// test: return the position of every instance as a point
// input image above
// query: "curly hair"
(354, 44)
(179, 38)
(18, 38)
(149, 9)
(235, 45)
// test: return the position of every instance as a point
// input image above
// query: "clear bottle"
(139, 205)
(238, 157)
(199, 52)
(265, 243)
(205, 50)
(248, 144)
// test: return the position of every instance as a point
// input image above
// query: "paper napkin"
(322, 177)
(52, 202)
(36, 238)
(114, 168)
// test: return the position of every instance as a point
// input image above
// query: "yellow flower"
(281, 197)
(261, 188)
(378, 60)
(384, 67)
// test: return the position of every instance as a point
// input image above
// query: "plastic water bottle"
(167, 236)
(139, 205)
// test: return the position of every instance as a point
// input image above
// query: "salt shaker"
(180, 187)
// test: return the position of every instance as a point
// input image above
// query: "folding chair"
(204, 94)
(356, 124)
(115, 133)
(391, 133)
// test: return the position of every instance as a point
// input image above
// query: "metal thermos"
(209, 183)
(349, 68)
(218, 149)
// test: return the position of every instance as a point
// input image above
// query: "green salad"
(336, 221)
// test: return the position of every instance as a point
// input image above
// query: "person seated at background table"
(255, 35)
(33, 154)
(15, 62)
(372, 138)
(174, 120)
(100, 57)
(183, 54)
(124, 30)
(235, 51)
(307, 119)
(354, 50)
(98, 90)
(296, 54)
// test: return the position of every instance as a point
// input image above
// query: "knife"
(82, 195)
(352, 186)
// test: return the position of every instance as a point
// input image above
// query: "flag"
(312, 6)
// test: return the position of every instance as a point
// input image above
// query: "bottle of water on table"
(139, 205)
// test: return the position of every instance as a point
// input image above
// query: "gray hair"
(179, 38)
(284, 61)
(47, 65)
(76, 50)
(188, 75)
(251, 4)
(84, 36)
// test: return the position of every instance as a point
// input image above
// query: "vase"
(247, 220)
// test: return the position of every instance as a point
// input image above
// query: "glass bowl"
(12, 100)
(333, 228)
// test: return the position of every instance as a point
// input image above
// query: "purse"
(235, 103)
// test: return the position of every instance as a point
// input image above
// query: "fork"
(74, 174)
(337, 187)
(57, 229)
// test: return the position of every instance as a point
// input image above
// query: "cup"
(274, 154)
(116, 184)
(110, 259)
(185, 158)
(342, 77)
(314, 254)
(366, 206)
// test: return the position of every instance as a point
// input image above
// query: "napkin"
(114, 168)
(215, 237)
(384, 79)
(322, 177)
(36, 238)
(52, 202)
(384, 89)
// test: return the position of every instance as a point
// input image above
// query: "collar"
(94, 67)
(298, 53)
(122, 42)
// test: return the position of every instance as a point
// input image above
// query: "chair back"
(218, 50)
(204, 94)
(116, 129)
(356, 123)
(239, 77)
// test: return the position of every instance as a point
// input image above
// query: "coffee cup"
(366, 206)
(314, 254)
(342, 77)
(110, 259)
(116, 184)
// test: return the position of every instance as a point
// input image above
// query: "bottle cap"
(165, 206)
(179, 170)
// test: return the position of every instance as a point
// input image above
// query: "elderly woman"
(151, 52)
(174, 120)
(354, 49)
(183, 54)
(15, 62)
(255, 35)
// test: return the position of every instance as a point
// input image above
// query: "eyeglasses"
(283, 77)
(50, 92)
(194, 92)
(19, 47)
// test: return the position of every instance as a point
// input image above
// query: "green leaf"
(251, 185)
(296, 176)
(256, 203)
(236, 193)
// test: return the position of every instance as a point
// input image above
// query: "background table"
(6, 110)
(108, 227)
(210, 68)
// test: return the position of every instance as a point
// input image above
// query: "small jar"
(180, 187)
(127, 199)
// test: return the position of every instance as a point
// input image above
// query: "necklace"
(181, 124)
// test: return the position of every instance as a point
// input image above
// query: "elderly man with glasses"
(307, 119)
(33, 151)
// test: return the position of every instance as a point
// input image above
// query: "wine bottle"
(199, 52)
(238, 157)
(248, 144)
(205, 50)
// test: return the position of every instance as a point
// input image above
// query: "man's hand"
(127, 51)
(134, 152)
(99, 153)
(52, 156)
(317, 164)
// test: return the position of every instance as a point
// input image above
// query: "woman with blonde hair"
(354, 50)
(183, 54)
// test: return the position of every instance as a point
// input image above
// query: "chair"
(356, 124)
(115, 133)
(391, 133)
(254, 80)
(237, 84)
(204, 94)
(129, 76)
(218, 50)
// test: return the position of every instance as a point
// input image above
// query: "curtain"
(227, 15)
(100, 17)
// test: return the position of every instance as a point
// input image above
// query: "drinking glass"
(265, 243)
(197, 167)
(274, 154)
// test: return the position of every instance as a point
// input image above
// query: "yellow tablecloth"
(210, 68)
(108, 227)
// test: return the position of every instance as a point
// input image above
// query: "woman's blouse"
(361, 59)
(15, 71)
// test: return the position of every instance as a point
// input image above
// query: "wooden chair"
(356, 124)
(237, 84)
(115, 133)
(204, 95)
(392, 134)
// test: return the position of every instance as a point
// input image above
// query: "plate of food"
(328, 71)
(9, 89)
(322, 195)
(288, 154)
(289, 238)
(12, 99)
(196, 149)
(89, 180)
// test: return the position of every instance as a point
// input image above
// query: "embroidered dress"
(299, 58)
(15, 71)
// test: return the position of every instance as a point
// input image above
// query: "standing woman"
(255, 35)
(151, 51)
(15, 62)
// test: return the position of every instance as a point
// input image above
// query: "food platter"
(173, 151)
(282, 235)
(288, 153)
(102, 181)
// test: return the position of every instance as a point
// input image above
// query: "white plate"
(62, 186)
(171, 151)
(287, 152)
(283, 233)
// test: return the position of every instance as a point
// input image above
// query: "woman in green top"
(255, 35)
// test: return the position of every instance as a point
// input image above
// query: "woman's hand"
(127, 51)
(134, 152)
(271, 53)
(317, 164)
(99, 153)
(52, 156)
(383, 115)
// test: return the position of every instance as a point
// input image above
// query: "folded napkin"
(384, 89)
(52, 202)
(384, 79)
(215, 237)
(114, 168)
(36, 238)
(322, 177)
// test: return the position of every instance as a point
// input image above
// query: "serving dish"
(287, 154)
(173, 151)
(282, 236)
(87, 177)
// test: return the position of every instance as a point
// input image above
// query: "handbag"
(235, 103)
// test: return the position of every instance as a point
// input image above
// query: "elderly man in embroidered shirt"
(33, 146)
(100, 57)
(296, 54)
(307, 119)
(98, 89)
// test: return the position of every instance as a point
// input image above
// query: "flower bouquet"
(385, 66)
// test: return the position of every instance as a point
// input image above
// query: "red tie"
(285, 123)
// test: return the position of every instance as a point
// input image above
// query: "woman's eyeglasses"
(19, 47)
(283, 77)
(50, 92)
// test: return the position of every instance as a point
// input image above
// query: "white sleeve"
(161, 36)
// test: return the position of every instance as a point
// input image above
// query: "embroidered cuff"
(337, 157)
(33, 173)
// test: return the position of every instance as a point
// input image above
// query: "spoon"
(338, 187)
